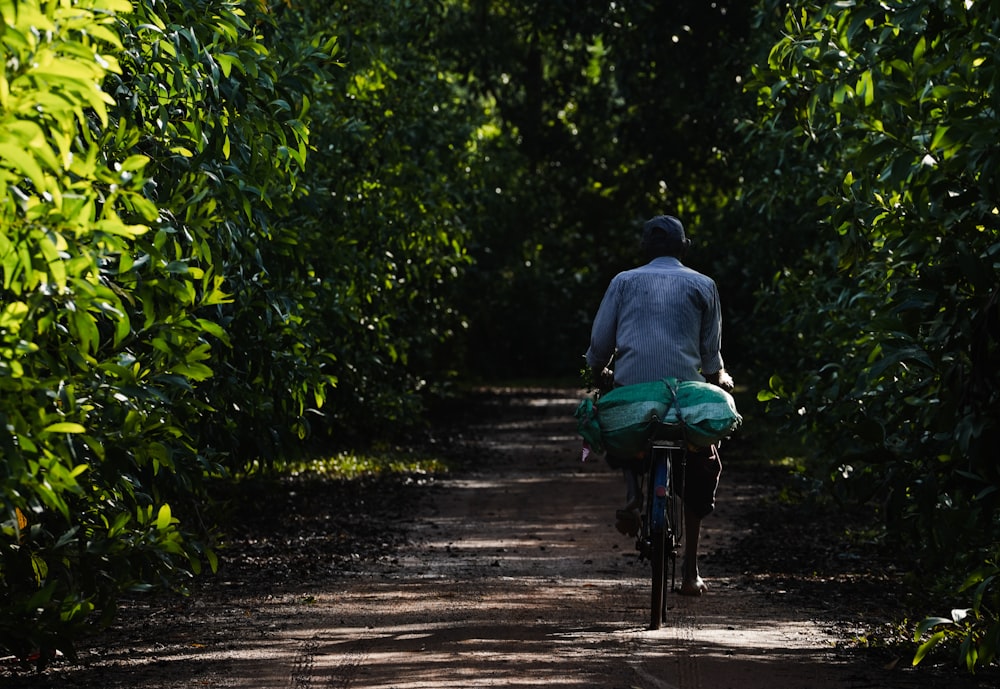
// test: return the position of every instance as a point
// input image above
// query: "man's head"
(664, 236)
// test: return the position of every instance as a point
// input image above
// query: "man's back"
(659, 320)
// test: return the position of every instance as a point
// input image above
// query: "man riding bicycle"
(663, 320)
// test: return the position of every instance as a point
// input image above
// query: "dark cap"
(668, 225)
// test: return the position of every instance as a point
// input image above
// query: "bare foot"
(693, 587)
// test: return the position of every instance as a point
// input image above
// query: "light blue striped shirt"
(660, 320)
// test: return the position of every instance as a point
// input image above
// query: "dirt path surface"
(511, 575)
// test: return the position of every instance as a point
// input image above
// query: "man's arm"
(712, 366)
(604, 331)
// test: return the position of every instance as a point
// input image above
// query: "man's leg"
(633, 499)
(698, 485)
(627, 518)
(691, 583)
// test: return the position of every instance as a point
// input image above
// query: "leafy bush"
(221, 115)
(182, 297)
(141, 155)
(385, 225)
(975, 629)
(895, 354)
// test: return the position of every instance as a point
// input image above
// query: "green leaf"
(866, 88)
(64, 427)
(40, 568)
(929, 623)
(66, 538)
(20, 160)
(119, 524)
(13, 315)
(940, 139)
(123, 328)
(980, 592)
(214, 329)
(213, 559)
(193, 371)
(926, 647)
(986, 572)
(163, 517)
(86, 331)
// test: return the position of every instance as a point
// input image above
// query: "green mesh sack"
(707, 411)
(587, 426)
(629, 415)
(624, 420)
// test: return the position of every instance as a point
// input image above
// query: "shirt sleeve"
(711, 333)
(604, 330)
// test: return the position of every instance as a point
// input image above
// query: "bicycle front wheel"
(657, 599)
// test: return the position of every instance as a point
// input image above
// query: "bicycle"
(662, 522)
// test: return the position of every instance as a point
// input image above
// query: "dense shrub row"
(876, 152)
(180, 299)
(145, 151)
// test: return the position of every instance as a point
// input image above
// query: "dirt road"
(513, 576)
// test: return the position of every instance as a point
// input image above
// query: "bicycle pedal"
(645, 548)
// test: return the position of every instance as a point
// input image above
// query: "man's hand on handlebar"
(604, 378)
(722, 379)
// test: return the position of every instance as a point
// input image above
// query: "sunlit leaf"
(65, 427)
(164, 518)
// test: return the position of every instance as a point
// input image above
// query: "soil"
(507, 571)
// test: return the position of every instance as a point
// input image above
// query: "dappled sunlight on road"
(513, 576)
(519, 580)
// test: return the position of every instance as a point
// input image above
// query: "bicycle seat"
(669, 435)
(669, 443)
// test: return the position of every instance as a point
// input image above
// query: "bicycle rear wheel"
(659, 534)
(657, 599)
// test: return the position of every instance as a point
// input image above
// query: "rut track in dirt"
(510, 574)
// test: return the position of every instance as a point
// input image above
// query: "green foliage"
(888, 320)
(182, 297)
(221, 117)
(975, 630)
(351, 465)
(142, 154)
(231, 144)
(68, 215)
(384, 226)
